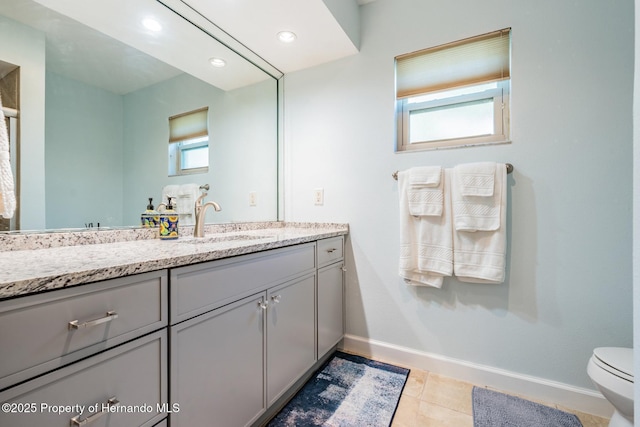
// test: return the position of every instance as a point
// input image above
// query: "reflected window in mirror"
(189, 143)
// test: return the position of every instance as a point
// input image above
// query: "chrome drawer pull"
(77, 422)
(332, 250)
(75, 324)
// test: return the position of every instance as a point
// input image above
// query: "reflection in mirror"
(93, 119)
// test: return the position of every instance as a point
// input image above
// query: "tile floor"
(432, 400)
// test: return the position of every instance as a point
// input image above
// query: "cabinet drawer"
(330, 250)
(134, 374)
(38, 335)
(199, 288)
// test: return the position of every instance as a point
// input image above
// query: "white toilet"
(611, 370)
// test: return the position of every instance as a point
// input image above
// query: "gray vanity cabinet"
(216, 366)
(290, 334)
(100, 347)
(330, 293)
(45, 331)
(122, 387)
(228, 364)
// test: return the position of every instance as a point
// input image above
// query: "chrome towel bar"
(508, 165)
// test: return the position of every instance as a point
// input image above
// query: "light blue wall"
(242, 146)
(84, 139)
(118, 144)
(569, 278)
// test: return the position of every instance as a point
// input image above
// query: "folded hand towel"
(425, 176)
(7, 189)
(476, 213)
(187, 195)
(426, 245)
(476, 179)
(480, 256)
(425, 191)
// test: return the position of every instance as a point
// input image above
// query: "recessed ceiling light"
(218, 62)
(151, 24)
(286, 36)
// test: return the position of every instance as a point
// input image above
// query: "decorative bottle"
(150, 217)
(169, 222)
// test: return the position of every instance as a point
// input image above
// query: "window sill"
(446, 145)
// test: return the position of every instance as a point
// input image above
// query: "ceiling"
(76, 51)
(326, 30)
(255, 23)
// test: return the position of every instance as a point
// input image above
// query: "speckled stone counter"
(25, 270)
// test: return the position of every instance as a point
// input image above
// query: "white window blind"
(188, 125)
(480, 59)
(189, 143)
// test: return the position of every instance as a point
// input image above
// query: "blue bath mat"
(494, 409)
(348, 391)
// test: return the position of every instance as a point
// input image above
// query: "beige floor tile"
(407, 412)
(415, 383)
(448, 393)
(432, 400)
(589, 420)
(432, 415)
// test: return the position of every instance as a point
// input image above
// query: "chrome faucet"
(201, 212)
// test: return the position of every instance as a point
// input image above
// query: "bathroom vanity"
(213, 331)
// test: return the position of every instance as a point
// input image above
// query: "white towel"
(7, 189)
(170, 191)
(426, 244)
(476, 179)
(480, 256)
(481, 211)
(187, 195)
(425, 194)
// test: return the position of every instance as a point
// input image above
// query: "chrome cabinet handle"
(78, 422)
(75, 324)
(344, 268)
(332, 250)
(276, 298)
(263, 304)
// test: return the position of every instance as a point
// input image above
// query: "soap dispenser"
(150, 217)
(169, 222)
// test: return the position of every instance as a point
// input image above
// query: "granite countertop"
(28, 271)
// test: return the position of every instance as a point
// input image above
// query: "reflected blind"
(188, 125)
(480, 59)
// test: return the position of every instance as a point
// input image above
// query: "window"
(455, 94)
(189, 143)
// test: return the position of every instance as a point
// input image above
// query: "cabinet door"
(330, 307)
(217, 373)
(290, 334)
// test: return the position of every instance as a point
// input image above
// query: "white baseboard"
(568, 396)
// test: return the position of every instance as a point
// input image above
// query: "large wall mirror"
(94, 90)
